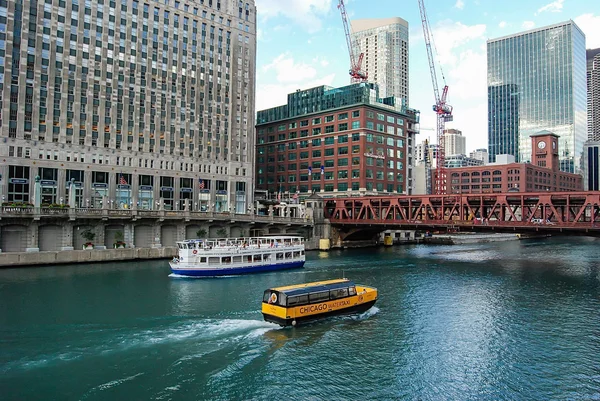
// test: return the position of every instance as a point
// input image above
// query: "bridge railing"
(73, 213)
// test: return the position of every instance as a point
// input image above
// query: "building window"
(18, 184)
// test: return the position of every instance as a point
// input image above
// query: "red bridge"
(545, 212)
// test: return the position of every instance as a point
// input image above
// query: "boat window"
(301, 252)
(203, 259)
(226, 259)
(237, 259)
(297, 300)
(214, 260)
(256, 257)
(318, 297)
(266, 296)
(288, 255)
(279, 256)
(339, 293)
(352, 291)
(266, 256)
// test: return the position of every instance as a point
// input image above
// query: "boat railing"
(241, 243)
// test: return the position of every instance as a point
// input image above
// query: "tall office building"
(454, 142)
(385, 45)
(593, 89)
(134, 101)
(536, 81)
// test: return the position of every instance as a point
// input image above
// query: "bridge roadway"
(575, 213)
(32, 229)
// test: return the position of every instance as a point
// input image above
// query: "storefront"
(167, 192)
(18, 184)
(48, 185)
(146, 193)
(204, 195)
(186, 191)
(99, 188)
(123, 193)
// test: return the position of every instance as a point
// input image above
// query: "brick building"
(542, 174)
(336, 140)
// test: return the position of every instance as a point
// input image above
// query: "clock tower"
(544, 150)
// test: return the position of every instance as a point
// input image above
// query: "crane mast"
(356, 72)
(443, 111)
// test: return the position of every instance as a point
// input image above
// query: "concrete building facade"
(384, 43)
(593, 92)
(536, 81)
(137, 102)
(480, 154)
(337, 142)
(454, 142)
(542, 174)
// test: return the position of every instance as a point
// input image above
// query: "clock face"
(541, 145)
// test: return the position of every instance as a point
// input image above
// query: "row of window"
(341, 186)
(331, 118)
(341, 175)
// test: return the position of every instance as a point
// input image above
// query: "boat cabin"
(311, 293)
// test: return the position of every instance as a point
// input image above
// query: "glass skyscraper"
(537, 81)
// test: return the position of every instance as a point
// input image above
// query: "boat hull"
(233, 271)
(307, 319)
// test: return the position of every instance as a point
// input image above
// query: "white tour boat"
(232, 256)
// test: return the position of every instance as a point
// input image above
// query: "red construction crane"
(442, 110)
(356, 72)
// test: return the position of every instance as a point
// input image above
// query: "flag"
(322, 169)
(122, 180)
(200, 183)
(309, 170)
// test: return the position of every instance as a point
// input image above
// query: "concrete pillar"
(99, 230)
(37, 192)
(67, 243)
(32, 238)
(72, 193)
(129, 234)
(157, 233)
(161, 205)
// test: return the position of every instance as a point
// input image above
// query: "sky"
(301, 44)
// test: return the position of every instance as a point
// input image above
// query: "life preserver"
(194, 251)
(273, 298)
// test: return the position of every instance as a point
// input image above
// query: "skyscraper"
(593, 89)
(454, 142)
(385, 45)
(536, 81)
(134, 101)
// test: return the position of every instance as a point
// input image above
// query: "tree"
(201, 233)
(88, 235)
(222, 232)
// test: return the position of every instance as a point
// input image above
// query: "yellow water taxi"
(295, 304)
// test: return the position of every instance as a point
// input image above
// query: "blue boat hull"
(236, 271)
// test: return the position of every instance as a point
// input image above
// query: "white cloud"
(502, 24)
(306, 13)
(451, 35)
(286, 69)
(283, 76)
(590, 25)
(260, 34)
(460, 4)
(554, 7)
(528, 24)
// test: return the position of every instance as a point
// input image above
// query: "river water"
(516, 320)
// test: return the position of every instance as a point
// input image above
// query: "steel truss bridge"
(545, 212)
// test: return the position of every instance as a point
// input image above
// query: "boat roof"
(298, 289)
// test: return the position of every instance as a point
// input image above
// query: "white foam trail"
(367, 314)
(114, 383)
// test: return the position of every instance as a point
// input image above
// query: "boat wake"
(208, 332)
(366, 314)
